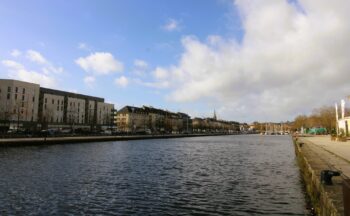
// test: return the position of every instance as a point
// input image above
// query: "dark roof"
(131, 109)
(69, 94)
(154, 110)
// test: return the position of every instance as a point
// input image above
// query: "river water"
(219, 175)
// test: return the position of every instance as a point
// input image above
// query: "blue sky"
(129, 30)
(242, 58)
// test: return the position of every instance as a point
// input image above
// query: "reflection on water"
(226, 175)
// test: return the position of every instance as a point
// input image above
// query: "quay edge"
(326, 200)
(85, 139)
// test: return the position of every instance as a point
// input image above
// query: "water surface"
(220, 175)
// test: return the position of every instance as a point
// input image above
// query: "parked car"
(107, 132)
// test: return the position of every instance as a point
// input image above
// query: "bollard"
(346, 196)
(326, 176)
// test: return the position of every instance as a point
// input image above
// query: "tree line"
(319, 117)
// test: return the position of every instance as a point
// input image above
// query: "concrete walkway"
(336, 154)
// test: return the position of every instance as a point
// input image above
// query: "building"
(19, 103)
(149, 119)
(132, 119)
(29, 106)
(213, 125)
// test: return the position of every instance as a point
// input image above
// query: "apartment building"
(146, 118)
(213, 125)
(132, 119)
(105, 113)
(74, 110)
(27, 105)
(18, 103)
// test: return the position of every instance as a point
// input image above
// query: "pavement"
(334, 153)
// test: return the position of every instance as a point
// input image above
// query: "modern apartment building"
(19, 103)
(27, 105)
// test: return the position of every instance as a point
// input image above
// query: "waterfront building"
(29, 106)
(18, 104)
(150, 119)
(213, 125)
(132, 119)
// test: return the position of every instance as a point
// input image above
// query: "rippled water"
(226, 175)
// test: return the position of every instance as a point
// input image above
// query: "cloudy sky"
(265, 60)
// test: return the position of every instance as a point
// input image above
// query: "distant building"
(132, 119)
(213, 125)
(29, 106)
(150, 119)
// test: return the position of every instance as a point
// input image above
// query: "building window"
(15, 96)
(9, 89)
(58, 102)
(33, 98)
(62, 102)
(16, 89)
(45, 100)
(61, 108)
(45, 106)
(58, 108)
(53, 101)
(24, 91)
(22, 97)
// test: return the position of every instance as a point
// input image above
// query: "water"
(226, 175)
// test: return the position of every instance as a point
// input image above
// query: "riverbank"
(9, 142)
(319, 153)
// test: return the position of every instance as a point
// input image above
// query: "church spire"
(214, 115)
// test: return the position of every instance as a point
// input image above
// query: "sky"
(249, 60)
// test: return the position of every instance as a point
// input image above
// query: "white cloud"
(47, 66)
(140, 67)
(172, 25)
(160, 73)
(100, 63)
(19, 72)
(158, 85)
(84, 46)
(12, 64)
(141, 64)
(290, 60)
(89, 81)
(16, 53)
(36, 57)
(121, 81)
